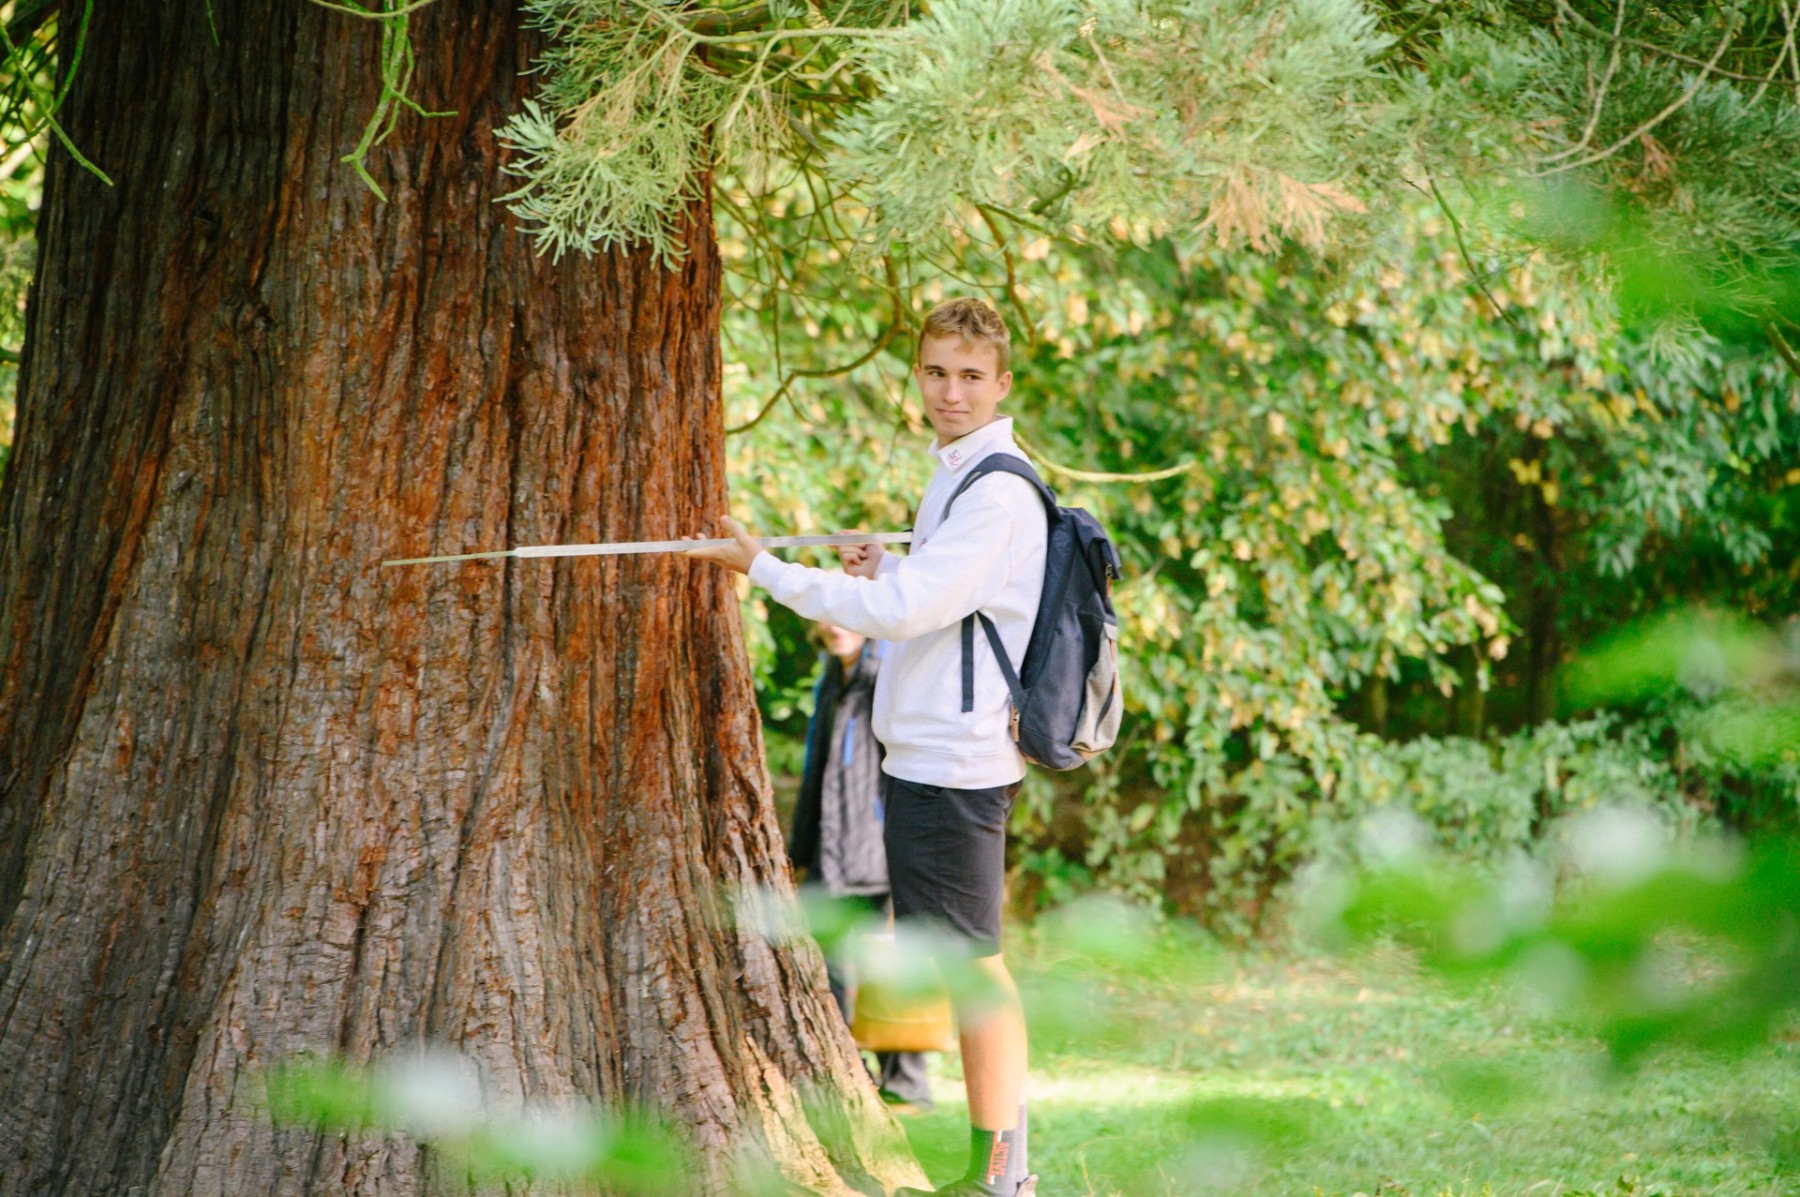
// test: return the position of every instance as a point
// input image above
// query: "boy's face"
(962, 385)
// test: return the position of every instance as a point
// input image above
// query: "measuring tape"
(626, 547)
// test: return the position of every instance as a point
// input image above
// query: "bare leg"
(993, 1048)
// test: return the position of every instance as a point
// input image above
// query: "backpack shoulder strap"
(994, 463)
(1004, 463)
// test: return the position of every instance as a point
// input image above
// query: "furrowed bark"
(258, 795)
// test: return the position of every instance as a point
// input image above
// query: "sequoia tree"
(258, 795)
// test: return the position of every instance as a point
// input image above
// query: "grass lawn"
(1199, 1071)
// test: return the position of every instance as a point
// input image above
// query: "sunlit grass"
(1293, 1075)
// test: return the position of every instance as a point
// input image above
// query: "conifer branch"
(750, 37)
(1012, 278)
(50, 102)
(1792, 19)
(793, 376)
(1653, 48)
(1067, 184)
(1599, 101)
(1669, 110)
(396, 77)
(1787, 54)
(757, 231)
(715, 21)
(1434, 9)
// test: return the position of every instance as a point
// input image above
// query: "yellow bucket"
(899, 1006)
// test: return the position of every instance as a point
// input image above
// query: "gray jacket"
(836, 835)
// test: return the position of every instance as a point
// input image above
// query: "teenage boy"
(949, 775)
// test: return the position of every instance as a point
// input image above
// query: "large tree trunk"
(258, 795)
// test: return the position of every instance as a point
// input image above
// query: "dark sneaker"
(971, 1188)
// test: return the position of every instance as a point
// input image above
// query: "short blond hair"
(972, 322)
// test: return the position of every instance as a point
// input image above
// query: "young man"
(949, 776)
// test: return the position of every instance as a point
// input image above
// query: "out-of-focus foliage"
(1692, 951)
(27, 99)
(1729, 693)
(1651, 937)
(1665, 137)
(437, 1098)
(1220, 1071)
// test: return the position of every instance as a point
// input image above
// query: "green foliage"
(1697, 951)
(437, 1099)
(616, 144)
(29, 95)
(1484, 801)
(1150, 116)
(1351, 490)
(1232, 115)
(1726, 690)
(391, 18)
(1663, 140)
(1166, 1063)
(1704, 473)
(1692, 651)
(1652, 948)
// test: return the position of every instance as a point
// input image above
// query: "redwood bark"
(258, 795)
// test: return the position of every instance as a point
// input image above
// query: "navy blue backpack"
(1065, 694)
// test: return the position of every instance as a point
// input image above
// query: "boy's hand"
(736, 557)
(860, 560)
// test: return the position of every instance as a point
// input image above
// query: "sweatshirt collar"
(965, 449)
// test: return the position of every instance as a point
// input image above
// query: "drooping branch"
(1012, 276)
(894, 326)
(1433, 10)
(1782, 348)
(715, 21)
(1079, 475)
(18, 62)
(1476, 276)
(1598, 104)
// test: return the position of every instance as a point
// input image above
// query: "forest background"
(1424, 344)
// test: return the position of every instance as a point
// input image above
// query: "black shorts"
(946, 858)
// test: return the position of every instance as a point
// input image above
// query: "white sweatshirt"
(988, 556)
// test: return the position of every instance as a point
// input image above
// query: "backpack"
(1065, 694)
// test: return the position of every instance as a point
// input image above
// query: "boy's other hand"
(860, 560)
(737, 556)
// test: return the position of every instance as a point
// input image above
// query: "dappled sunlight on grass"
(1297, 1075)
